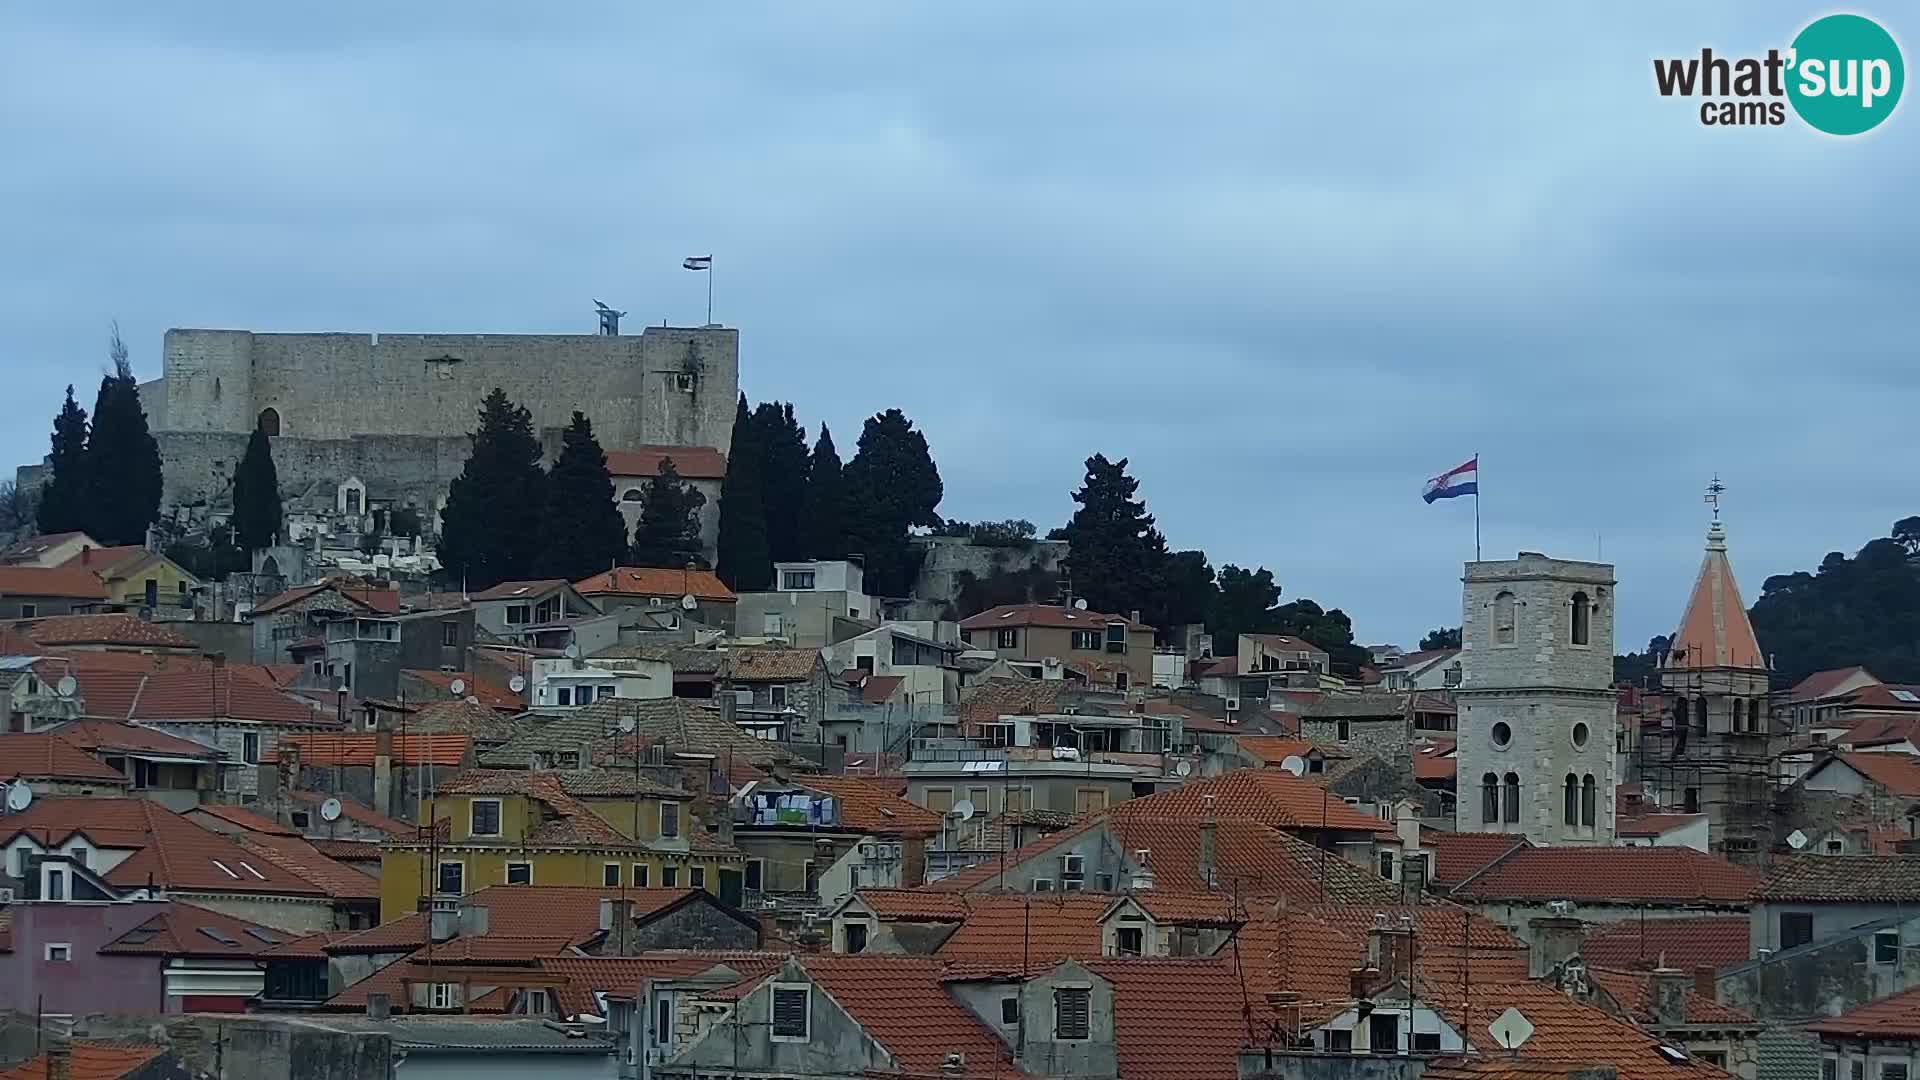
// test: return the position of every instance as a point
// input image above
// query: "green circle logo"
(1846, 74)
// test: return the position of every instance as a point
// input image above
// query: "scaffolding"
(1710, 747)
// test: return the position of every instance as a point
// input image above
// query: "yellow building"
(586, 827)
(138, 578)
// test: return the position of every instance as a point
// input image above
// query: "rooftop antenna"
(609, 319)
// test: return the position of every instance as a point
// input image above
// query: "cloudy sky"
(1289, 263)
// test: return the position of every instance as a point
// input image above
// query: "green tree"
(123, 459)
(824, 513)
(1116, 555)
(256, 495)
(892, 486)
(746, 564)
(1641, 669)
(491, 526)
(66, 499)
(582, 532)
(1329, 628)
(1907, 532)
(1445, 637)
(668, 533)
(1244, 606)
(1186, 594)
(784, 464)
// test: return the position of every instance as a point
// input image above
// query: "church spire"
(1714, 631)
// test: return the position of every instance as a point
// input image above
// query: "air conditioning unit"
(1041, 884)
(1074, 886)
(1073, 866)
(1233, 704)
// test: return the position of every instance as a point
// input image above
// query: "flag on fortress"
(1457, 481)
(698, 262)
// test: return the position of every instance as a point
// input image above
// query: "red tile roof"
(1004, 930)
(1268, 796)
(650, 581)
(57, 630)
(493, 693)
(689, 462)
(1623, 875)
(106, 558)
(1856, 878)
(353, 749)
(1823, 683)
(762, 664)
(568, 911)
(1633, 990)
(202, 693)
(1435, 760)
(185, 930)
(1898, 773)
(914, 905)
(171, 851)
(90, 1061)
(107, 736)
(47, 756)
(870, 808)
(1892, 1018)
(1273, 749)
(588, 975)
(244, 818)
(1043, 615)
(1567, 1031)
(294, 854)
(879, 689)
(1654, 824)
(1175, 1019)
(1285, 643)
(66, 582)
(988, 701)
(517, 590)
(1712, 941)
(356, 811)
(363, 597)
(903, 1006)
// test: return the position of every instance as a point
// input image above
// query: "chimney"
(1209, 845)
(443, 918)
(379, 1006)
(615, 913)
(1670, 989)
(473, 920)
(383, 764)
(59, 1058)
(1557, 939)
(1360, 982)
(1706, 984)
(1390, 948)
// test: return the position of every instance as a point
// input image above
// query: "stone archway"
(269, 421)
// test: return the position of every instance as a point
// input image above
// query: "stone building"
(392, 411)
(1536, 753)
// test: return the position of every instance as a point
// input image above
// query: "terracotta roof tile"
(353, 596)
(1435, 760)
(47, 756)
(354, 810)
(1004, 930)
(356, 749)
(1633, 990)
(193, 692)
(1898, 773)
(689, 462)
(184, 930)
(582, 783)
(482, 723)
(66, 582)
(590, 975)
(1268, 796)
(914, 905)
(296, 855)
(1891, 1018)
(1619, 875)
(668, 584)
(1713, 941)
(1855, 878)
(568, 911)
(57, 630)
(771, 664)
(902, 1004)
(175, 852)
(1043, 615)
(1714, 630)
(988, 701)
(870, 808)
(90, 1061)
(516, 590)
(1568, 1031)
(244, 818)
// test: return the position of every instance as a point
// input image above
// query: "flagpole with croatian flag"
(1460, 480)
(703, 263)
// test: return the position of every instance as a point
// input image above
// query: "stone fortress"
(389, 414)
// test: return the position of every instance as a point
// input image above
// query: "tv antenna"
(609, 319)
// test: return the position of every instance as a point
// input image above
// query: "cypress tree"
(823, 514)
(668, 532)
(783, 477)
(892, 485)
(66, 499)
(745, 562)
(582, 533)
(491, 526)
(256, 495)
(1117, 556)
(122, 458)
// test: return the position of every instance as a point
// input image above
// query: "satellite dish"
(471, 700)
(573, 650)
(962, 810)
(1294, 764)
(688, 602)
(1796, 840)
(517, 683)
(1183, 768)
(1080, 605)
(1511, 1029)
(628, 723)
(459, 686)
(330, 810)
(19, 797)
(66, 686)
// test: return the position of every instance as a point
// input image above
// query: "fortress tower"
(1536, 701)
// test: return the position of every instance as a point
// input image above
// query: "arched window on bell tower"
(1578, 628)
(1490, 799)
(1700, 714)
(1511, 784)
(1570, 812)
(1504, 613)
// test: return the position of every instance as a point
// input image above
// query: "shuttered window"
(1071, 1006)
(790, 1012)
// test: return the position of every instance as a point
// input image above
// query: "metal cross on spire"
(1714, 490)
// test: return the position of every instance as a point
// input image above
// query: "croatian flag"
(698, 262)
(1461, 480)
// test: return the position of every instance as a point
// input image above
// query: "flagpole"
(1476, 506)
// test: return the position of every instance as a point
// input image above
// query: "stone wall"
(946, 557)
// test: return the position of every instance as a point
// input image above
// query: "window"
(1893, 1070)
(663, 1020)
(250, 748)
(519, 873)
(856, 937)
(1503, 619)
(1570, 811)
(536, 1003)
(1122, 681)
(1010, 1011)
(640, 875)
(1072, 1009)
(1089, 800)
(442, 996)
(1008, 638)
(1426, 1042)
(770, 624)
(1127, 941)
(1835, 847)
(683, 381)
(451, 879)
(519, 614)
(1340, 1040)
(1580, 736)
(1511, 784)
(1490, 800)
(939, 799)
(450, 634)
(1383, 1032)
(1345, 730)
(1086, 640)
(791, 1006)
(1796, 928)
(1715, 1058)
(1700, 713)
(1116, 637)
(1577, 631)
(796, 580)
(610, 875)
(484, 817)
(1386, 865)
(1588, 797)
(697, 877)
(777, 696)
(563, 695)
(57, 883)
(59, 954)
(756, 873)
(669, 820)
(1502, 735)
(269, 422)
(1857, 1069)
(28, 611)
(1690, 801)
(669, 877)
(1886, 947)
(300, 818)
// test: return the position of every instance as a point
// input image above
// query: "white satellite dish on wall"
(573, 650)
(1294, 764)
(1080, 605)
(459, 686)
(330, 810)
(19, 797)
(471, 700)
(628, 722)
(1183, 768)
(1511, 1029)
(962, 810)
(517, 683)
(67, 686)
(689, 602)
(1796, 840)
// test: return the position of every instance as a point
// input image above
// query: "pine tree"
(67, 498)
(783, 477)
(745, 562)
(582, 533)
(256, 495)
(892, 485)
(823, 527)
(1117, 557)
(491, 526)
(668, 533)
(122, 458)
